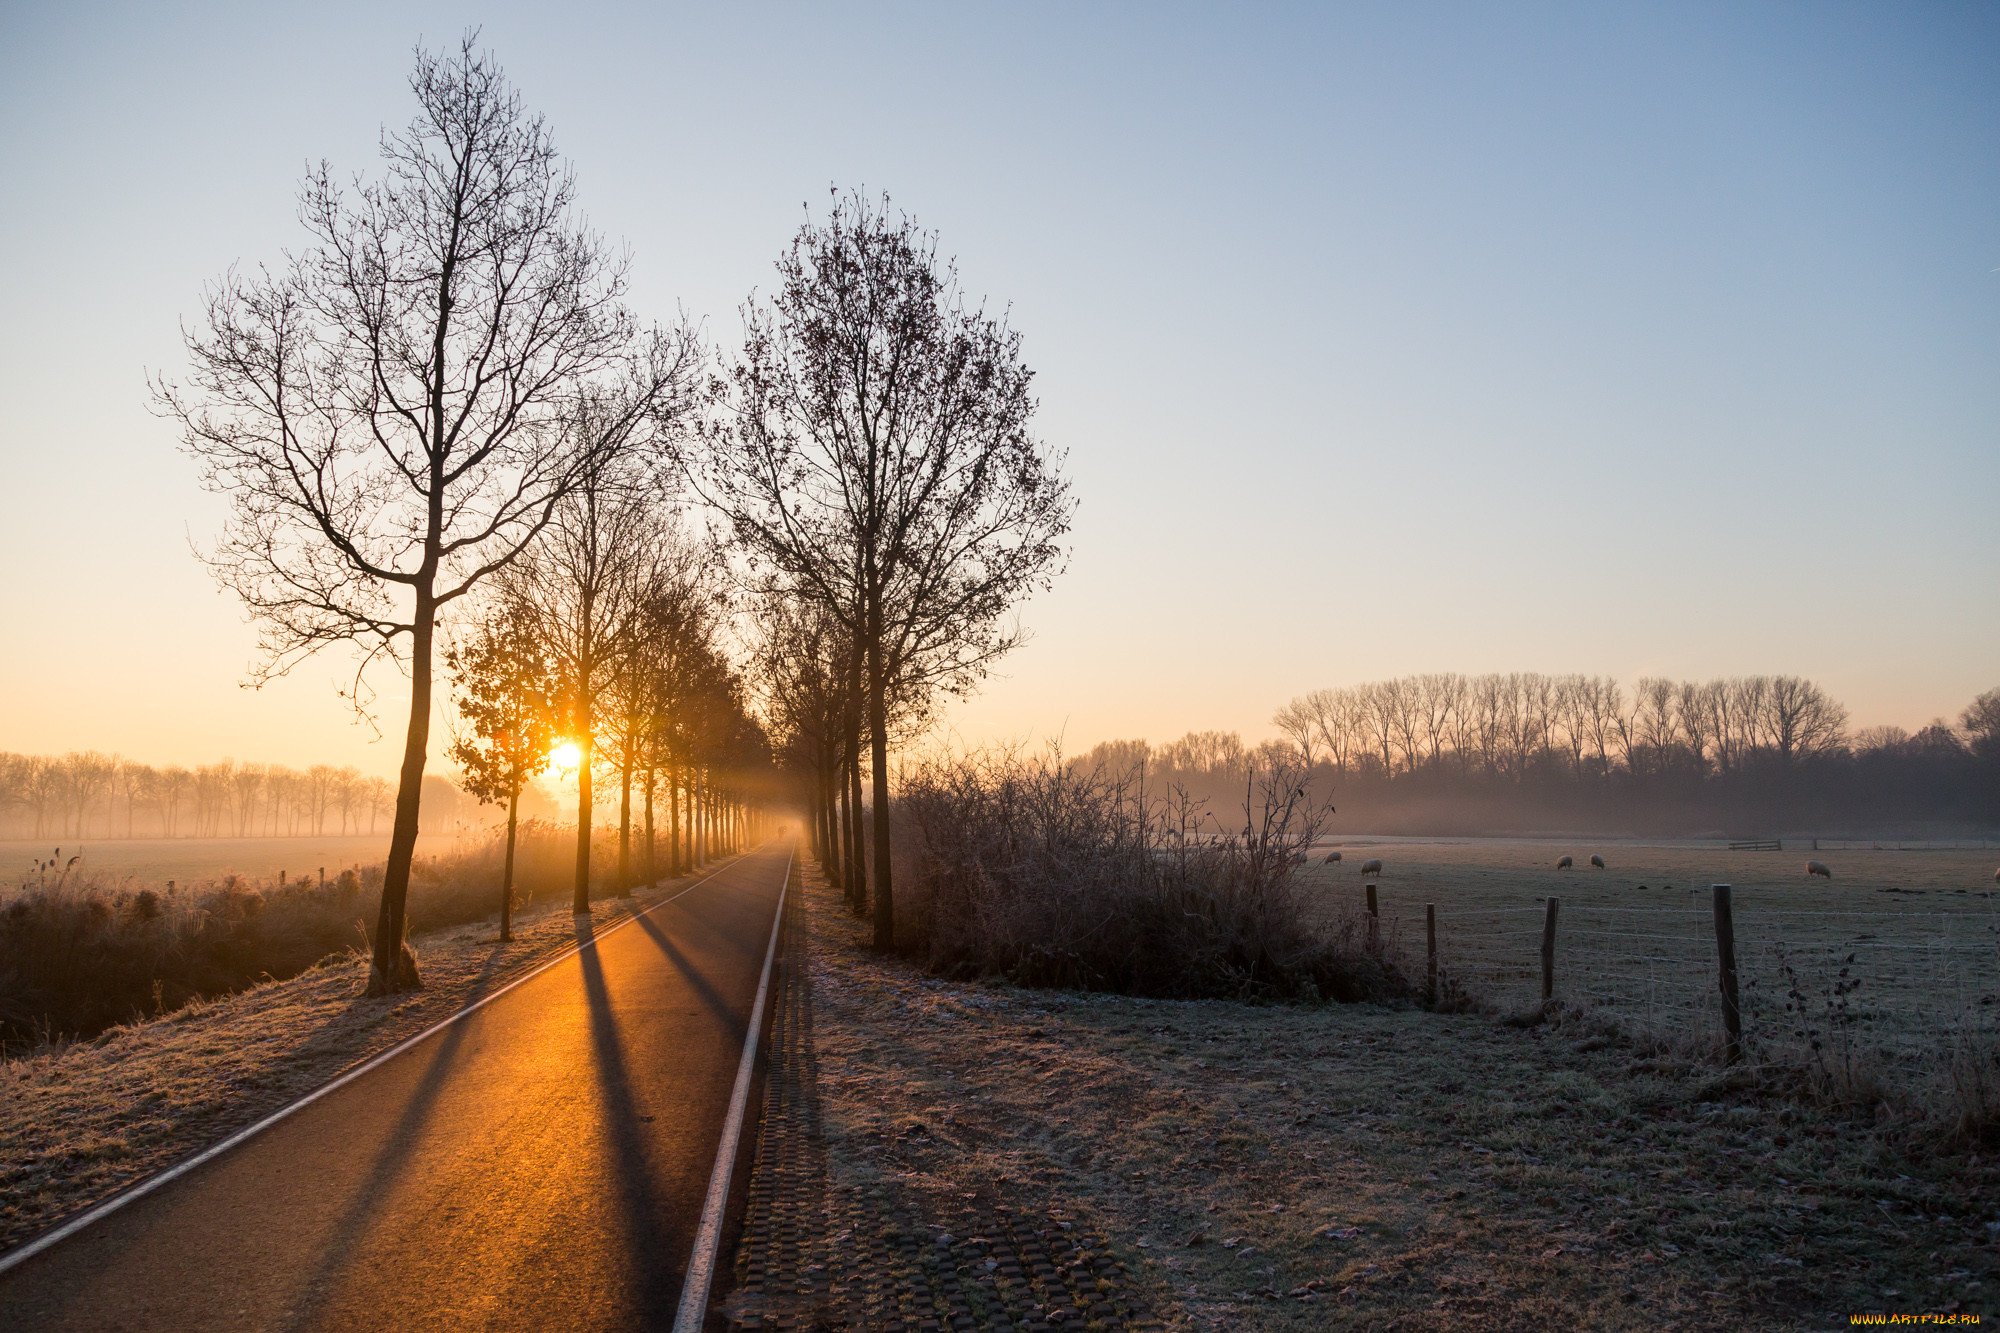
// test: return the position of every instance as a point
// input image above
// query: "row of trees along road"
(877, 469)
(440, 412)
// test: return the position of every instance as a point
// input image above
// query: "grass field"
(1916, 930)
(152, 862)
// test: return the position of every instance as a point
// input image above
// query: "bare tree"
(1300, 723)
(386, 414)
(882, 465)
(1981, 724)
(1804, 719)
(585, 579)
(668, 635)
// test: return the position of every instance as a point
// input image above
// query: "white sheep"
(1597, 861)
(1331, 857)
(1371, 867)
(1565, 863)
(1818, 868)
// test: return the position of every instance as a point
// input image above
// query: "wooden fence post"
(1374, 917)
(1549, 949)
(1431, 952)
(1725, 953)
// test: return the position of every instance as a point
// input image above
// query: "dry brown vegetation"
(1356, 1166)
(1049, 875)
(79, 956)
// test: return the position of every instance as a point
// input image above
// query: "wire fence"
(1891, 980)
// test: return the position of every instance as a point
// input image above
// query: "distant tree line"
(90, 795)
(1446, 752)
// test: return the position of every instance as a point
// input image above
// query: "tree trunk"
(857, 852)
(815, 807)
(625, 816)
(829, 806)
(698, 821)
(507, 869)
(829, 840)
(674, 862)
(878, 761)
(707, 817)
(652, 873)
(842, 815)
(580, 902)
(394, 968)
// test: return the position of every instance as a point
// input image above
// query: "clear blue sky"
(1661, 338)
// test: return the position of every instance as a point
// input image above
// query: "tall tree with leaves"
(507, 701)
(387, 413)
(880, 462)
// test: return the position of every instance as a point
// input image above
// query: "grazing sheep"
(1371, 867)
(1818, 868)
(1597, 861)
(1565, 863)
(1331, 857)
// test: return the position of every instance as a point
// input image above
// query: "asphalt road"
(540, 1163)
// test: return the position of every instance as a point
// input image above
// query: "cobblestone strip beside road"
(836, 1242)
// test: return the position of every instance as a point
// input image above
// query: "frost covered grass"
(1877, 993)
(1367, 1166)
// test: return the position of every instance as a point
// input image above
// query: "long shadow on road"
(653, 1272)
(355, 1225)
(700, 984)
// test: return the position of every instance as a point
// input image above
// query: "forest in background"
(1525, 752)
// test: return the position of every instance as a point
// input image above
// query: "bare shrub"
(1049, 876)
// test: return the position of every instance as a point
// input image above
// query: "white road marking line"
(708, 1237)
(151, 1183)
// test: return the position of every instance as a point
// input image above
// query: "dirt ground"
(1237, 1166)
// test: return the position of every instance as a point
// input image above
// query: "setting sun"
(566, 755)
